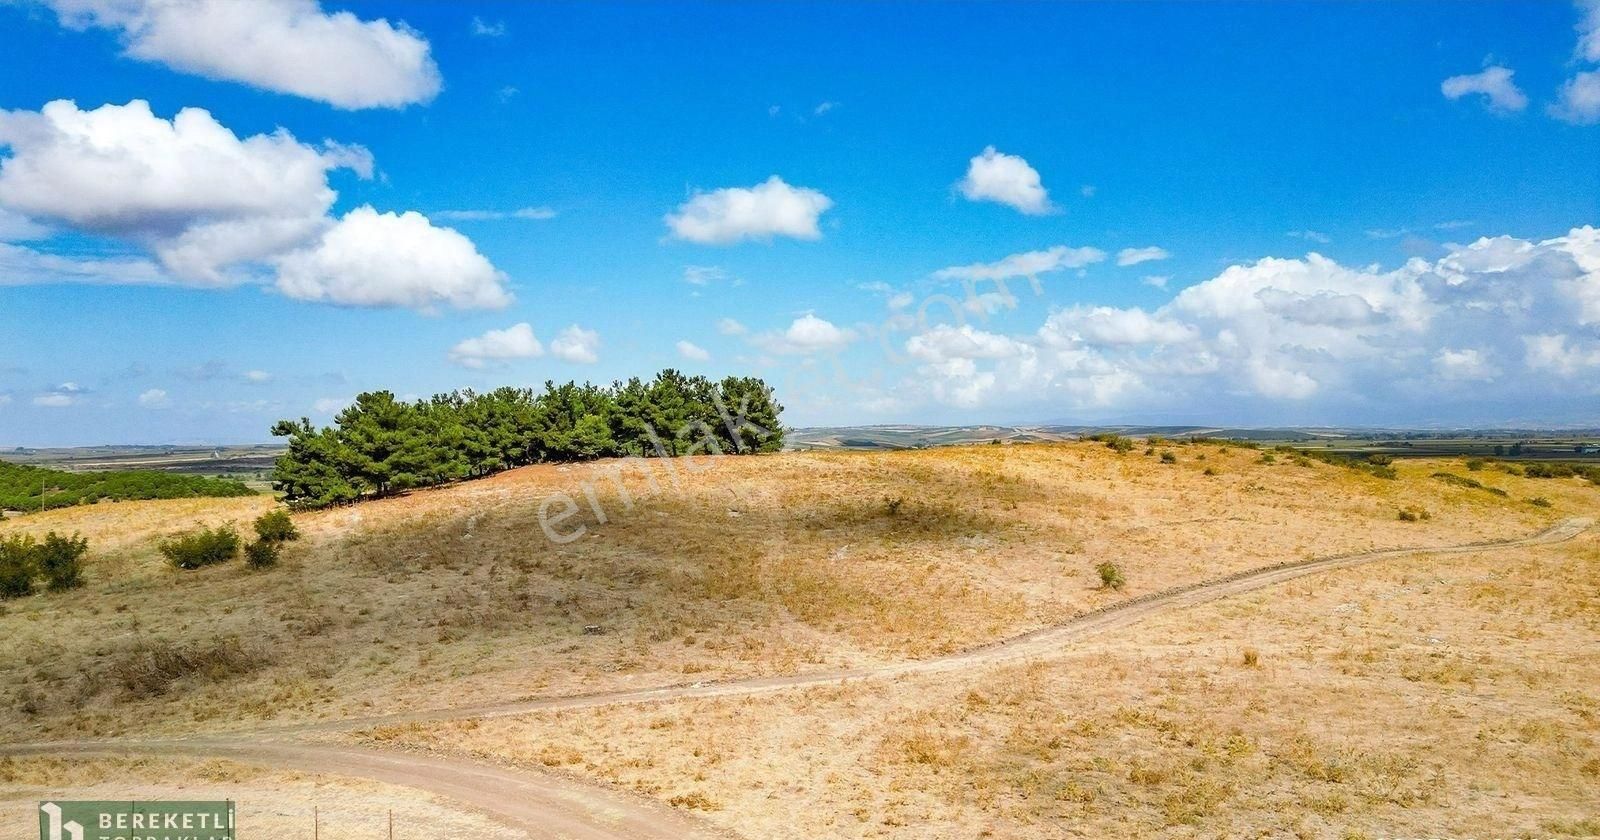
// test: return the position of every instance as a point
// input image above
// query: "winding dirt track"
(548, 805)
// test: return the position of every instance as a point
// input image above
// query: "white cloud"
(1158, 281)
(514, 342)
(1589, 30)
(26, 266)
(771, 208)
(1467, 365)
(216, 210)
(807, 334)
(703, 275)
(1334, 340)
(530, 213)
(1087, 190)
(1026, 264)
(484, 29)
(331, 405)
(1311, 236)
(257, 377)
(1106, 325)
(287, 46)
(1561, 355)
(15, 227)
(1134, 256)
(188, 188)
(63, 395)
(824, 107)
(728, 326)
(944, 343)
(1494, 83)
(1580, 99)
(1007, 179)
(387, 259)
(154, 398)
(577, 345)
(693, 352)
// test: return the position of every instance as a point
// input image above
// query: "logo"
(136, 821)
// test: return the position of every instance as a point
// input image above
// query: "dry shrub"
(152, 667)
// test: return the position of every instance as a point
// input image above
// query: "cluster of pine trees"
(381, 445)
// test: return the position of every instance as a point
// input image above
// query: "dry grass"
(270, 803)
(1414, 697)
(743, 566)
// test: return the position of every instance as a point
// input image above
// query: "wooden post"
(316, 824)
(391, 824)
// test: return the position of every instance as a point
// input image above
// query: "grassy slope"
(1416, 697)
(755, 565)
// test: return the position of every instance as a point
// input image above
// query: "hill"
(556, 581)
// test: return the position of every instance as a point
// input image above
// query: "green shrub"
(1474, 464)
(1119, 444)
(1110, 575)
(1169, 458)
(262, 554)
(18, 565)
(203, 547)
(1211, 471)
(1380, 459)
(1268, 458)
(60, 560)
(276, 526)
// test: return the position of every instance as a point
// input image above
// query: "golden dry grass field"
(1400, 695)
(270, 803)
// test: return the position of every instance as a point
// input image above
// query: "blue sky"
(163, 285)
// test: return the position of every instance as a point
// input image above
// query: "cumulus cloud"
(215, 210)
(693, 352)
(771, 208)
(1107, 325)
(193, 191)
(806, 335)
(514, 342)
(388, 259)
(1500, 93)
(286, 46)
(1522, 315)
(577, 345)
(1580, 99)
(154, 398)
(1026, 264)
(1006, 179)
(1134, 256)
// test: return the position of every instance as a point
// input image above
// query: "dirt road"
(547, 805)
